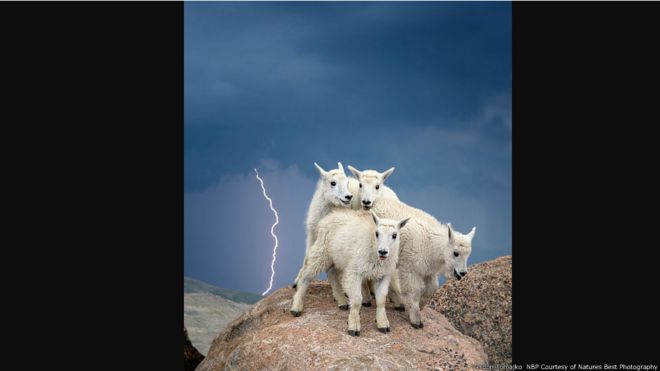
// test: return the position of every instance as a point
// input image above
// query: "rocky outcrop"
(479, 306)
(191, 357)
(268, 337)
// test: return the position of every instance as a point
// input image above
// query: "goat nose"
(382, 252)
(366, 202)
(463, 273)
(348, 197)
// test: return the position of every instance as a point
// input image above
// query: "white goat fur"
(426, 252)
(323, 202)
(369, 180)
(326, 198)
(346, 240)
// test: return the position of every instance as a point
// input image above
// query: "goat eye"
(393, 235)
(377, 186)
(376, 234)
(360, 185)
(333, 183)
(456, 253)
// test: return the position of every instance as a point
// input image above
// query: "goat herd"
(367, 240)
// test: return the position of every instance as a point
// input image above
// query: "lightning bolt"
(272, 232)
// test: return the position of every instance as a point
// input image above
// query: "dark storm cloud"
(425, 87)
(227, 228)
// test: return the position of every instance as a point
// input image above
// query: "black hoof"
(354, 333)
(420, 325)
(296, 313)
(343, 307)
(295, 285)
(400, 308)
(366, 304)
(384, 329)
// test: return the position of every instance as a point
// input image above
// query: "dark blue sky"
(425, 87)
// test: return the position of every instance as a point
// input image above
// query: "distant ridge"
(191, 285)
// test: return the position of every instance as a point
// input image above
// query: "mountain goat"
(360, 246)
(428, 249)
(368, 186)
(331, 192)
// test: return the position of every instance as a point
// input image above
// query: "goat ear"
(320, 169)
(450, 231)
(386, 174)
(374, 216)
(340, 167)
(403, 223)
(355, 171)
(471, 234)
